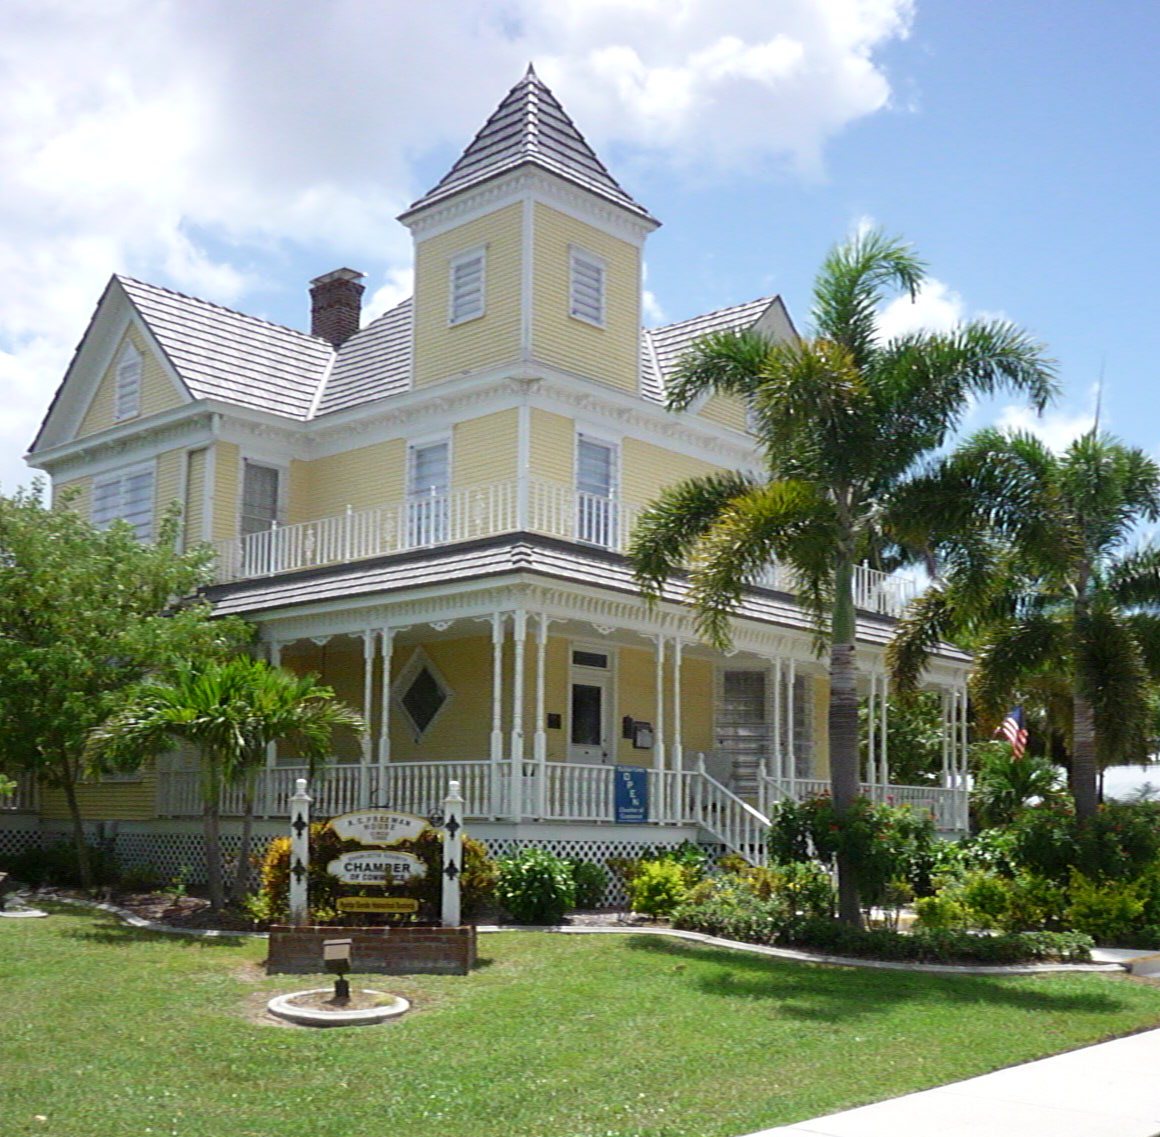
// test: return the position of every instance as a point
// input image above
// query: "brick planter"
(378, 951)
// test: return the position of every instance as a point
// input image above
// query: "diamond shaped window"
(421, 692)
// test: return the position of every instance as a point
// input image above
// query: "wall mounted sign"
(378, 826)
(376, 867)
(631, 796)
(394, 905)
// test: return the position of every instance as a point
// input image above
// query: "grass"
(106, 1029)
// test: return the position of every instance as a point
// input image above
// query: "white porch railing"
(24, 798)
(947, 806)
(549, 508)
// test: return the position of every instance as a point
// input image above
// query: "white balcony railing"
(537, 506)
(948, 806)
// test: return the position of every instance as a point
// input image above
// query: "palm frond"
(722, 363)
(1014, 649)
(1134, 580)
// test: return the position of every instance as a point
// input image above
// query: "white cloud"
(1058, 429)
(936, 308)
(399, 284)
(206, 146)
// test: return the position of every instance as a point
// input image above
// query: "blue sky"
(234, 152)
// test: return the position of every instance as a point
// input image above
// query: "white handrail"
(735, 823)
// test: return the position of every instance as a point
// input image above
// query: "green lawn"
(108, 1030)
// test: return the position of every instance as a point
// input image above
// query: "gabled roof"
(661, 348)
(226, 355)
(374, 363)
(529, 127)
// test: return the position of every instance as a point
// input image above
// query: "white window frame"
(127, 383)
(478, 253)
(578, 256)
(437, 523)
(121, 476)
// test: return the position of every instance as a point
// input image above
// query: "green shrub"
(590, 880)
(940, 911)
(1108, 911)
(535, 887)
(57, 865)
(727, 906)
(806, 889)
(986, 896)
(1034, 903)
(658, 887)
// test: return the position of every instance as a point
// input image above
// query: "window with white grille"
(467, 284)
(259, 498)
(127, 398)
(595, 492)
(587, 290)
(428, 479)
(126, 495)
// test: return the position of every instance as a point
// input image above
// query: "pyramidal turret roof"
(530, 127)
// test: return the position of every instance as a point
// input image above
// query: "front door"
(588, 740)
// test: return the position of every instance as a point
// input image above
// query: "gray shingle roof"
(374, 363)
(661, 348)
(222, 354)
(529, 127)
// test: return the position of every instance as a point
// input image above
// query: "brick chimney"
(335, 305)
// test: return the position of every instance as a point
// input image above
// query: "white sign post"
(452, 854)
(299, 855)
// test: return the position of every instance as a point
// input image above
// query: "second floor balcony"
(530, 505)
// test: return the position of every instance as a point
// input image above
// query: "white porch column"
(497, 633)
(540, 735)
(883, 741)
(791, 757)
(678, 749)
(388, 645)
(274, 657)
(963, 754)
(659, 731)
(519, 640)
(945, 739)
(778, 764)
(871, 722)
(364, 773)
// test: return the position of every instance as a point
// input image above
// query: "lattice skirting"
(181, 855)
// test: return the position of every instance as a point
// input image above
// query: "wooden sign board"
(378, 826)
(376, 867)
(395, 905)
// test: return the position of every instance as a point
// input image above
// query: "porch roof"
(523, 557)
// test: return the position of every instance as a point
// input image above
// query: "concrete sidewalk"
(1109, 1090)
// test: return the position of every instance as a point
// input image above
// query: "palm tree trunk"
(1084, 766)
(843, 726)
(242, 871)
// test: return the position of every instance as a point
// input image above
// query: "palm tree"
(1049, 585)
(230, 711)
(843, 420)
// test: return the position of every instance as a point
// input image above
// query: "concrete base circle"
(281, 1007)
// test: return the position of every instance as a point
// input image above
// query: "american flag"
(1013, 730)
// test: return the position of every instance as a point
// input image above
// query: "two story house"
(431, 512)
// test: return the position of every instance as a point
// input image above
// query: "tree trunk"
(1084, 765)
(843, 727)
(80, 845)
(242, 871)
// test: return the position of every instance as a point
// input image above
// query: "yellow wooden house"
(431, 511)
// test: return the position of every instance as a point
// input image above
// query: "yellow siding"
(821, 749)
(725, 410)
(167, 486)
(697, 686)
(485, 450)
(195, 498)
(363, 478)
(227, 475)
(81, 488)
(635, 696)
(552, 449)
(442, 351)
(106, 801)
(647, 469)
(339, 663)
(609, 354)
(157, 390)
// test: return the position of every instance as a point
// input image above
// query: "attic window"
(421, 693)
(127, 399)
(587, 290)
(126, 495)
(467, 281)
